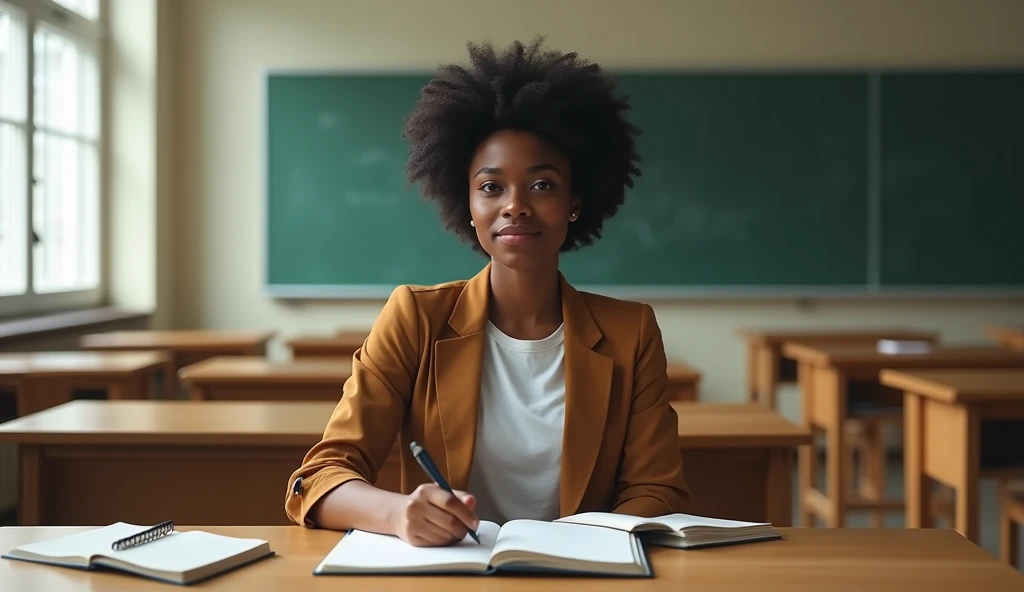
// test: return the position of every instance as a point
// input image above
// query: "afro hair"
(558, 96)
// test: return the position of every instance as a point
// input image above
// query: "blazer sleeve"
(365, 423)
(650, 477)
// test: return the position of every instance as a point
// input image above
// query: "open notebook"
(519, 545)
(178, 558)
(682, 531)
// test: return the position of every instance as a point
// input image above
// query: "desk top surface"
(235, 369)
(779, 335)
(302, 423)
(77, 363)
(184, 340)
(747, 425)
(680, 372)
(837, 560)
(960, 386)
(866, 356)
(243, 423)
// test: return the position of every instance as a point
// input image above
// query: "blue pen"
(423, 458)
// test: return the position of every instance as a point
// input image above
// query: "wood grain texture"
(838, 560)
(747, 425)
(179, 340)
(867, 357)
(960, 386)
(256, 370)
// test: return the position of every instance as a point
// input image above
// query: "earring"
(573, 216)
(472, 223)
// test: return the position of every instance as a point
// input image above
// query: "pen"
(423, 458)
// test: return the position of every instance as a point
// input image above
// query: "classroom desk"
(340, 345)
(805, 560)
(175, 450)
(946, 413)
(1011, 336)
(250, 378)
(683, 382)
(738, 460)
(836, 375)
(768, 367)
(181, 347)
(41, 380)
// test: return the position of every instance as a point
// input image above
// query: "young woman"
(535, 400)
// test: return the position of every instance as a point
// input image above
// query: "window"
(50, 122)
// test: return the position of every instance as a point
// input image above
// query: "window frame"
(89, 36)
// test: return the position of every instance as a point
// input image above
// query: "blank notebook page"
(369, 550)
(85, 544)
(184, 551)
(570, 541)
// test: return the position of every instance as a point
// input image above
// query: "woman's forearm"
(357, 504)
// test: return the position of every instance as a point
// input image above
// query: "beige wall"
(222, 46)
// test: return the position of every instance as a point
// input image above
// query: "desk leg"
(171, 376)
(967, 510)
(831, 388)
(752, 373)
(808, 456)
(779, 505)
(131, 387)
(768, 360)
(914, 477)
(31, 486)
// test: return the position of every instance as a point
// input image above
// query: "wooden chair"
(1012, 517)
(865, 433)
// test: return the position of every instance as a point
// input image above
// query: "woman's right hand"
(430, 516)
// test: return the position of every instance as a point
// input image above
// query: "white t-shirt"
(517, 459)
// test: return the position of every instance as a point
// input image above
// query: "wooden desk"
(203, 462)
(239, 455)
(945, 413)
(181, 347)
(1011, 336)
(340, 345)
(738, 460)
(768, 367)
(804, 561)
(42, 380)
(250, 378)
(683, 382)
(834, 376)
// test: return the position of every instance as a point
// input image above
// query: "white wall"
(222, 46)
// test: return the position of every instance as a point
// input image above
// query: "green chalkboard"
(953, 179)
(752, 183)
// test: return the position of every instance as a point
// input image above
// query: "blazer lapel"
(588, 381)
(457, 368)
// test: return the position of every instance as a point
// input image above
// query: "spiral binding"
(151, 534)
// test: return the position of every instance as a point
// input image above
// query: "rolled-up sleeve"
(365, 423)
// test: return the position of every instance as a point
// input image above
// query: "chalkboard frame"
(873, 289)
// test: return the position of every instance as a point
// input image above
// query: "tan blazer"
(418, 377)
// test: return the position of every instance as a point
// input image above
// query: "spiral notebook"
(159, 552)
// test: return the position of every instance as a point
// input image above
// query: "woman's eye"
(489, 187)
(542, 185)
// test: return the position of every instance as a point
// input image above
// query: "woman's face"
(520, 198)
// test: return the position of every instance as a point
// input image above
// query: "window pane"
(12, 64)
(90, 9)
(66, 85)
(65, 214)
(13, 220)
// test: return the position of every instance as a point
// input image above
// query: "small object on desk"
(519, 545)
(682, 531)
(156, 553)
(147, 536)
(435, 475)
(897, 346)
